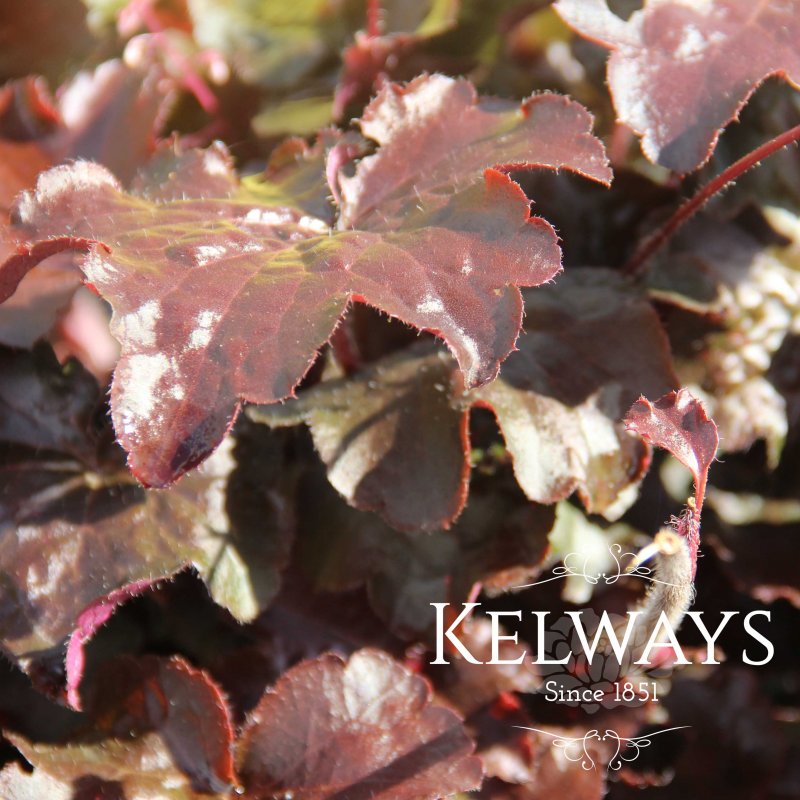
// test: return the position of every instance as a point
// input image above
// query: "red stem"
(345, 349)
(653, 243)
(373, 18)
(191, 78)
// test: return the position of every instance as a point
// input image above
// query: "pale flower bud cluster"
(760, 311)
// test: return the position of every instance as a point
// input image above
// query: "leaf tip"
(68, 178)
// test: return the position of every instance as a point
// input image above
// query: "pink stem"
(345, 349)
(373, 18)
(653, 243)
(618, 145)
(191, 78)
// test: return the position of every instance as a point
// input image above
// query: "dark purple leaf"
(733, 745)
(563, 425)
(394, 436)
(758, 558)
(498, 541)
(361, 729)
(89, 620)
(678, 423)
(44, 405)
(80, 535)
(163, 725)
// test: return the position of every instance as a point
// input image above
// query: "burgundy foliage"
(679, 72)
(364, 729)
(109, 115)
(265, 400)
(563, 432)
(65, 484)
(679, 423)
(163, 722)
(271, 272)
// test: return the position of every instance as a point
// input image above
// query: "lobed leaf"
(221, 298)
(395, 439)
(498, 542)
(415, 213)
(680, 71)
(562, 426)
(392, 437)
(109, 115)
(79, 536)
(164, 726)
(361, 729)
(679, 423)
(416, 162)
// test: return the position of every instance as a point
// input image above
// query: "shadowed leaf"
(164, 727)
(394, 436)
(498, 541)
(563, 425)
(45, 406)
(751, 288)
(81, 533)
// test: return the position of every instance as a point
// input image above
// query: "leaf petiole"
(656, 240)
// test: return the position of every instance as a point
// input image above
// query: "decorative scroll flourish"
(568, 568)
(626, 750)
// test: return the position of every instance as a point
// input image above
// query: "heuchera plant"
(315, 314)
